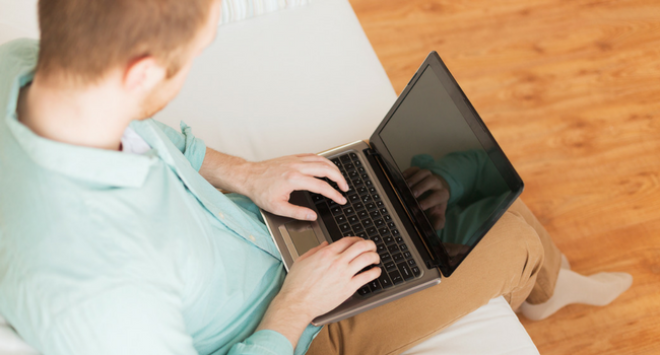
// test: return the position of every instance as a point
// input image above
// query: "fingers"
(335, 175)
(342, 244)
(418, 176)
(356, 249)
(319, 186)
(410, 172)
(323, 170)
(363, 260)
(436, 198)
(428, 183)
(361, 279)
(286, 209)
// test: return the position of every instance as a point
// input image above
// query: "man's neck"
(92, 117)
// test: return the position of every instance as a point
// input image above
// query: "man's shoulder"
(18, 56)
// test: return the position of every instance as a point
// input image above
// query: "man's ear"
(142, 74)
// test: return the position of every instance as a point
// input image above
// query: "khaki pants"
(516, 259)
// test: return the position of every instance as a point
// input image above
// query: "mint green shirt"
(103, 252)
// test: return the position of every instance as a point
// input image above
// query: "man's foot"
(597, 290)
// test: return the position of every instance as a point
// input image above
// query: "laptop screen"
(451, 165)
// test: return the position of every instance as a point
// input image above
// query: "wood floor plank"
(571, 91)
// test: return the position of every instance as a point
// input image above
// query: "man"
(115, 240)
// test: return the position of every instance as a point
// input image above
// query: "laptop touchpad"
(302, 235)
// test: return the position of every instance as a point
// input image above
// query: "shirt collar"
(88, 164)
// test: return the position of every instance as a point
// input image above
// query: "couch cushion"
(236, 10)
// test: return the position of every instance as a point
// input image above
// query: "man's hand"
(432, 193)
(319, 281)
(269, 183)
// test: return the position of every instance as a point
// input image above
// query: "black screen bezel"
(483, 135)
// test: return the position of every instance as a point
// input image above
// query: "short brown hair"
(85, 39)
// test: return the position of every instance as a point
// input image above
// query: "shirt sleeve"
(193, 148)
(124, 320)
(263, 342)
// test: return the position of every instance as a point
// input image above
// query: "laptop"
(432, 132)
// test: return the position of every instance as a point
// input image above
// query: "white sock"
(564, 262)
(597, 290)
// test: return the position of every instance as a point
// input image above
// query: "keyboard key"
(385, 280)
(407, 255)
(384, 256)
(317, 198)
(349, 167)
(360, 168)
(345, 227)
(396, 277)
(348, 234)
(363, 214)
(353, 156)
(354, 198)
(383, 231)
(336, 161)
(399, 239)
(388, 240)
(374, 214)
(351, 219)
(416, 271)
(397, 257)
(357, 163)
(372, 230)
(367, 223)
(365, 176)
(353, 175)
(380, 248)
(364, 290)
(357, 228)
(379, 223)
(372, 190)
(340, 219)
(368, 183)
(395, 231)
(393, 248)
(387, 218)
(371, 206)
(390, 266)
(363, 235)
(357, 183)
(335, 210)
(391, 225)
(348, 211)
(366, 198)
(362, 190)
(358, 206)
(383, 210)
(411, 262)
(405, 271)
(376, 197)
(376, 239)
(403, 247)
(345, 158)
(374, 285)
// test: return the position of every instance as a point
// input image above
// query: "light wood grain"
(571, 91)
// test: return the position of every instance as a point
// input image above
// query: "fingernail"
(311, 217)
(343, 200)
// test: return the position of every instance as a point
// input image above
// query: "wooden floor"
(571, 90)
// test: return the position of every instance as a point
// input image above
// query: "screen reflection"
(452, 177)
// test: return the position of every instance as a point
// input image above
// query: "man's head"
(145, 46)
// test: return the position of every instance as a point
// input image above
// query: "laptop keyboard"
(365, 215)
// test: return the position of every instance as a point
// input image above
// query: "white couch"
(298, 80)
